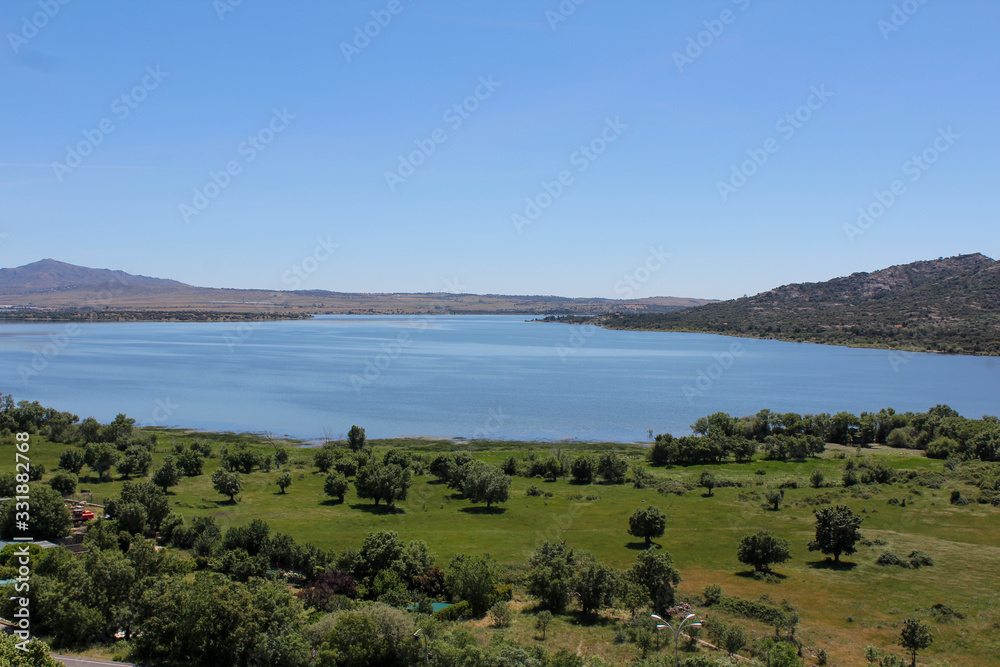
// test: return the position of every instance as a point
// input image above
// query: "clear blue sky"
(681, 126)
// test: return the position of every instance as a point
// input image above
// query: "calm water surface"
(461, 376)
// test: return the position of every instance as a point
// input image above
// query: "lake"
(461, 376)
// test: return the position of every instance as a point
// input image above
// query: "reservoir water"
(461, 376)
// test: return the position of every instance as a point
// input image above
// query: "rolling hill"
(945, 305)
(49, 289)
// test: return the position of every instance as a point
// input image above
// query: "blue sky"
(208, 86)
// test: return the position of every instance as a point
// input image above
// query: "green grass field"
(841, 610)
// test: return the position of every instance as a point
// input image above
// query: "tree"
(383, 482)
(654, 569)
(132, 518)
(774, 498)
(734, 638)
(324, 459)
(708, 481)
(335, 486)
(36, 655)
(72, 460)
(48, 516)
(836, 531)
(816, 479)
(542, 621)
(472, 578)
(582, 469)
(101, 456)
(914, 637)
(166, 475)
(761, 550)
(356, 439)
(135, 461)
(190, 462)
(551, 577)
(284, 481)
(149, 495)
(647, 522)
(484, 483)
(64, 483)
(227, 483)
(612, 468)
(596, 585)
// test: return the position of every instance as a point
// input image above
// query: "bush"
(920, 559)
(533, 490)
(816, 479)
(890, 558)
(901, 438)
(712, 594)
(456, 612)
(500, 614)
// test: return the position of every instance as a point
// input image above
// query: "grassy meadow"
(841, 609)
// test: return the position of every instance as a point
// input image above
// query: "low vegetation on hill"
(948, 305)
(796, 539)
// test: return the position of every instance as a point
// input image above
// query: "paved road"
(70, 661)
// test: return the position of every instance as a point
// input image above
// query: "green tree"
(647, 523)
(166, 475)
(383, 482)
(190, 462)
(708, 481)
(227, 483)
(612, 468)
(132, 518)
(147, 494)
(72, 460)
(134, 462)
(836, 531)
(542, 621)
(582, 469)
(774, 498)
(914, 637)
(654, 569)
(36, 655)
(483, 483)
(816, 479)
(48, 516)
(101, 456)
(596, 585)
(551, 577)
(284, 481)
(734, 639)
(472, 578)
(323, 459)
(356, 438)
(64, 483)
(762, 550)
(335, 486)
(90, 428)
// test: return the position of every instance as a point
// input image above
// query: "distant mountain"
(48, 275)
(944, 305)
(52, 289)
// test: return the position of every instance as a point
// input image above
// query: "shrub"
(456, 612)
(712, 594)
(920, 559)
(533, 490)
(890, 558)
(816, 479)
(500, 614)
